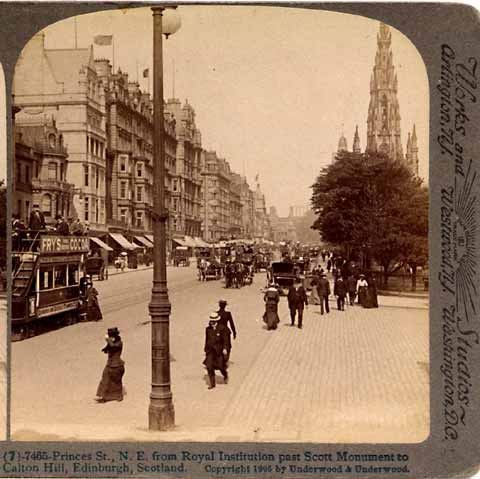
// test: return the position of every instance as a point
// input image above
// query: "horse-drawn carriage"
(181, 256)
(95, 265)
(284, 274)
(213, 270)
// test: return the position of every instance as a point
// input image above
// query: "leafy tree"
(371, 203)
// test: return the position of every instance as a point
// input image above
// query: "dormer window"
(51, 140)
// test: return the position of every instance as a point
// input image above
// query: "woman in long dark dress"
(111, 386)
(94, 312)
(371, 300)
(271, 299)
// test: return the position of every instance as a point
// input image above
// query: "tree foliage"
(373, 204)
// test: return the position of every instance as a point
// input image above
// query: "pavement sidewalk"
(359, 375)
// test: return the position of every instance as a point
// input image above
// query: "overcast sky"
(273, 88)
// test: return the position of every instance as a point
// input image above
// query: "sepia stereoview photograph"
(220, 229)
(3, 260)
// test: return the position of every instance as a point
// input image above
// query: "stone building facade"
(187, 181)
(41, 166)
(63, 84)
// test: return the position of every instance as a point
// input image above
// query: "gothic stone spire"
(383, 122)
(356, 142)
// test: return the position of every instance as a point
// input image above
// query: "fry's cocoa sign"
(64, 244)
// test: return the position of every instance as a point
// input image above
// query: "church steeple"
(411, 157)
(383, 122)
(356, 142)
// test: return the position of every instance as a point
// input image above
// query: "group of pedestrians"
(24, 235)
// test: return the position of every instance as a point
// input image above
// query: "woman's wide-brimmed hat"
(113, 331)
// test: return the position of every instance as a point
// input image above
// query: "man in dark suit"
(226, 322)
(340, 291)
(215, 350)
(323, 288)
(297, 299)
(351, 288)
(37, 220)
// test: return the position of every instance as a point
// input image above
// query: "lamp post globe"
(171, 21)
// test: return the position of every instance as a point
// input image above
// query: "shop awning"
(100, 243)
(150, 238)
(180, 241)
(122, 241)
(190, 242)
(200, 243)
(144, 241)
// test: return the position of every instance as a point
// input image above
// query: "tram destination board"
(64, 244)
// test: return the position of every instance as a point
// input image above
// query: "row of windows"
(58, 276)
(97, 176)
(139, 218)
(95, 147)
(94, 210)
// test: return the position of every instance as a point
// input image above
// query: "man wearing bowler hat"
(297, 300)
(215, 349)
(226, 322)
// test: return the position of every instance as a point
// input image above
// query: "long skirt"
(94, 312)
(362, 295)
(111, 387)
(270, 317)
(371, 300)
(314, 297)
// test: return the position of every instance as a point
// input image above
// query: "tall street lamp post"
(161, 415)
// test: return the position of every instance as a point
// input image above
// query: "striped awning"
(100, 243)
(144, 241)
(122, 241)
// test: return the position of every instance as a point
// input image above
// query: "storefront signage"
(64, 244)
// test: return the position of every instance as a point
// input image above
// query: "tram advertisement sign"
(64, 244)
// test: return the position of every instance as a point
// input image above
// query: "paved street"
(359, 375)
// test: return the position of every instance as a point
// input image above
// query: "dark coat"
(226, 320)
(297, 298)
(351, 284)
(63, 228)
(36, 221)
(215, 342)
(111, 387)
(323, 287)
(340, 288)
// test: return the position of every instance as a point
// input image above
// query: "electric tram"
(46, 285)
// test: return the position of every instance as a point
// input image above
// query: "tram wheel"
(32, 329)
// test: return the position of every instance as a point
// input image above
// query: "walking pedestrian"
(352, 289)
(215, 350)
(226, 321)
(340, 291)
(323, 289)
(271, 298)
(94, 312)
(297, 299)
(111, 386)
(329, 265)
(371, 300)
(362, 289)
